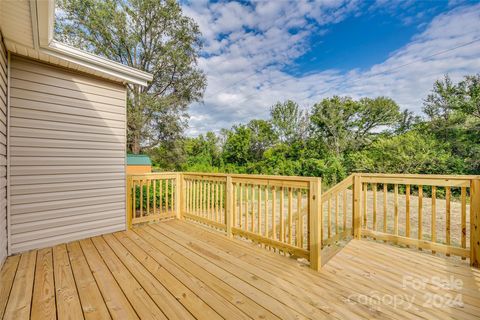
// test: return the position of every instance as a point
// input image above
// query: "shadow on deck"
(177, 270)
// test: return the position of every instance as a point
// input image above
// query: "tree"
(469, 91)
(263, 137)
(151, 35)
(453, 111)
(345, 124)
(289, 122)
(440, 106)
(237, 147)
(202, 153)
(412, 152)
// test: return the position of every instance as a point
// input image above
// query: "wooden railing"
(270, 210)
(290, 214)
(430, 212)
(205, 199)
(152, 197)
(337, 217)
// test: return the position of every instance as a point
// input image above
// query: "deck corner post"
(357, 219)
(475, 223)
(229, 206)
(179, 199)
(129, 203)
(315, 224)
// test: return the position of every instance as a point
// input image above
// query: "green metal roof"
(138, 160)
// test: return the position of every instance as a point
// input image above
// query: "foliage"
(288, 121)
(344, 124)
(342, 135)
(151, 35)
(411, 152)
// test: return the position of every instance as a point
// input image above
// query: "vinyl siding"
(67, 155)
(3, 152)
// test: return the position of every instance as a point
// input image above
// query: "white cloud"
(247, 46)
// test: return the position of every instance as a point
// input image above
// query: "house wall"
(67, 155)
(3, 152)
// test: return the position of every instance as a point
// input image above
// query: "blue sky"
(364, 40)
(260, 52)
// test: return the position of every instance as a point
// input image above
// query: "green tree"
(344, 124)
(452, 111)
(469, 92)
(411, 152)
(151, 35)
(263, 137)
(202, 153)
(289, 122)
(237, 146)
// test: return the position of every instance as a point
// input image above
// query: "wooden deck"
(178, 270)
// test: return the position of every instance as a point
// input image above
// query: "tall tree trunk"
(136, 144)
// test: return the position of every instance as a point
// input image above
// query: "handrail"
(281, 213)
(432, 219)
(291, 215)
(345, 183)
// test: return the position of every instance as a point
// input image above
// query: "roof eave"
(43, 25)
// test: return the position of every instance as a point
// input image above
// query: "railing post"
(315, 224)
(475, 223)
(129, 203)
(178, 196)
(357, 217)
(229, 206)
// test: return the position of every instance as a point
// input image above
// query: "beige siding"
(67, 155)
(3, 152)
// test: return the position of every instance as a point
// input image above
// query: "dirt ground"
(440, 221)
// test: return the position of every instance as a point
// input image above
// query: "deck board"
(43, 302)
(179, 270)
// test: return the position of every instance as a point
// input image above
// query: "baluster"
(154, 182)
(187, 195)
(290, 218)
(212, 200)
(329, 216)
(274, 209)
(266, 213)
(434, 215)
(197, 197)
(420, 213)
(192, 196)
(282, 221)
(252, 216)
(222, 201)
(235, 203)
(448, 211)
(259, 209)
(299, 235)
(395, 209)
(336, 213)
(148, 197)
(134, 209)
(385, 191)
(216, 203)
(365, 219)
(166, 195)
(240, 186)
(247, 187)
(407, 211)
(345, 210)
(374, 187)
(464, 217)
(141, 198)
(206, 197)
